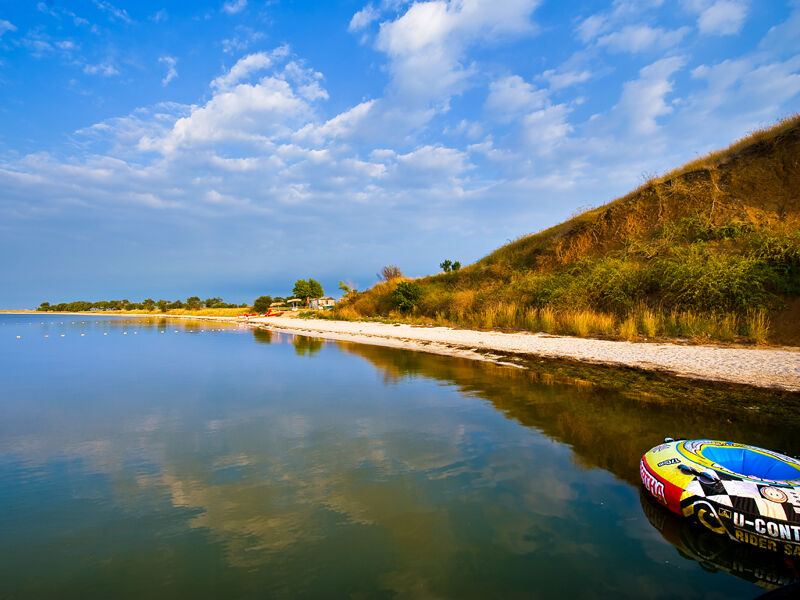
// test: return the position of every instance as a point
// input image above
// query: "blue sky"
(230, 147)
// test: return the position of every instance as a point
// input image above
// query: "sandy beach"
(775, 368)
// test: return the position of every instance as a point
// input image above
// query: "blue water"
(166, 459)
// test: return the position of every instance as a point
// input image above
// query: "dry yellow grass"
(648, 321)
(547, 320)
(576, 322)
(757, 326)
(628, 329)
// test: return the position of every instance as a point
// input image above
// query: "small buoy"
(124, 333)
(162, 332)
(19, 336)
(135, 333)
(83, 334)
(176, 331)
(45, 335)
(63, 334)
(105, 333)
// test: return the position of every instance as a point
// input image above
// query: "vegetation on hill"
(711, 249)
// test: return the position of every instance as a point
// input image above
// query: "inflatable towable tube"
(750, 494)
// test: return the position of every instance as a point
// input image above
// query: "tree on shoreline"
(307, 289)
(261, 304)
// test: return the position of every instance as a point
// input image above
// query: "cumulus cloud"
(246, 66)
(241, 111)
(643, 100)
(248, 112)
(426, 44)
(363, 18)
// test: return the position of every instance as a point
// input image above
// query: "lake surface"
(163, 459)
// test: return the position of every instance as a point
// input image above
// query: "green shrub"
(696, 278)
(406, 295)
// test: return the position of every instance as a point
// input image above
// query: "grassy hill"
(709, 250)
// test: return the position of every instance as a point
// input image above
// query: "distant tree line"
(191, 303)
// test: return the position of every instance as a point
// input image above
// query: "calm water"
(164, 459)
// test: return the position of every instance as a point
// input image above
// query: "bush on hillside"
(406, 295)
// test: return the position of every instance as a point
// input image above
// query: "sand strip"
(751, 366)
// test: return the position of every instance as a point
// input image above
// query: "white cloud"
(591, 27)
(363, 18)
(6, 26)
(116, 13)
(242, 39)
(38, 44)
(643, 100)
(249, 113)
(718, 17)
(751, 87)
(172, 72)
(560, 80)
(724, 17)
(639, 38)
(248, 65)
(234, 6)
(622, 11)
(546, 127)
(246, 113)
(426, 44)
(339, 127)
(511, 96)
(105, 69)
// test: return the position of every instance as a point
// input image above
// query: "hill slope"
(711, 249)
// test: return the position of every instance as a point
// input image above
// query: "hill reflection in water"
(609, 416)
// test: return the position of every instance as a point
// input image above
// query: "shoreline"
(757, 367)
